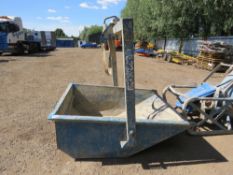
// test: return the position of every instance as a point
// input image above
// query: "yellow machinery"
(179, 58)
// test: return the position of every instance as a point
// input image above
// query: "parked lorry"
(17, 40)
(13, 38)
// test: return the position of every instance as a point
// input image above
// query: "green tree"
(132, 10)
(60, 33)
(180, 19)
(91, 34)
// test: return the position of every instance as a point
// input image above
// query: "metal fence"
(191, 46)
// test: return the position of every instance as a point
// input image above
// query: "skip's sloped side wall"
(191, 46)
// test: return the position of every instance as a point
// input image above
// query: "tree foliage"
(180, 18)
(91, 34)
(60, 33)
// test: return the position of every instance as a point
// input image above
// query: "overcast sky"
(70, 15)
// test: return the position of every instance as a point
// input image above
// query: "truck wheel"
(20, 49)
(0, 53)
(38, 47)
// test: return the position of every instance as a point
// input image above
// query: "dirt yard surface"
(31, 85)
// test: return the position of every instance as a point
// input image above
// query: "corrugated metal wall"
(64, 43)
(191, 46)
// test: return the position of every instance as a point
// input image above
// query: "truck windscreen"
(8, 27)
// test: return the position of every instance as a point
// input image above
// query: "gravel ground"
(30, 87)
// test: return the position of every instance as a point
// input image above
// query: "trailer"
(48, 40)
(45, 40)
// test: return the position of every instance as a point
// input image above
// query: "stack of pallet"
(211, 54)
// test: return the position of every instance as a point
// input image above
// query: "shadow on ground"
(180, 150)
(6, 60)
(39, 54)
